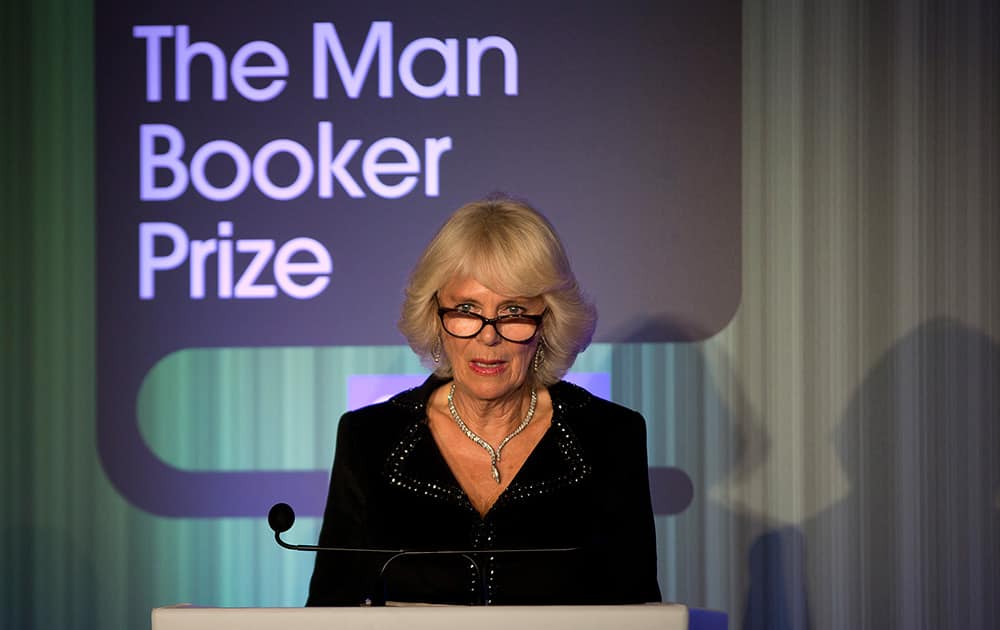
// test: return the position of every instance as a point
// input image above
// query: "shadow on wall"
(916, 543)
(657, 328)
(777, 594)
(700, 415)
(775, 578)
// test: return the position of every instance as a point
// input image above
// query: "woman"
(542, 484)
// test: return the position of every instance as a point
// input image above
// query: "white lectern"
(641, 617)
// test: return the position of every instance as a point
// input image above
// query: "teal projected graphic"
(274, 411)
(234, 409)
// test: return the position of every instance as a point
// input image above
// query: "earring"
(436, 351)
(536, 364)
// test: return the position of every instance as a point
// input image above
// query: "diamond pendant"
(469, 433)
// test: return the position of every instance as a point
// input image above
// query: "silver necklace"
(469, 433)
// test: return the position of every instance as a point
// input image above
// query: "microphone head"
(281, 517)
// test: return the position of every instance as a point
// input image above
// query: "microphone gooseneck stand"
(281, 517)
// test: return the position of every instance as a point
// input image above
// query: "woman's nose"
(489, 335)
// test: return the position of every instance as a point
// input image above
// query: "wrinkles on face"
(492, 383)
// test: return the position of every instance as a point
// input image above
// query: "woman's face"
(487, 366)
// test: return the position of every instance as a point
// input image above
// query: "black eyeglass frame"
(491, 321)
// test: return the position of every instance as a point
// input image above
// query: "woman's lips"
(486, 367)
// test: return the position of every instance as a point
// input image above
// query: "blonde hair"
(511, 249)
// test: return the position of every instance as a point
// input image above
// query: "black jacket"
(584, 486)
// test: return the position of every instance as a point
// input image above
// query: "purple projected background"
(240, 205)
(367, 389)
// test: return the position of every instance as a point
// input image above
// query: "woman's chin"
(488, 384)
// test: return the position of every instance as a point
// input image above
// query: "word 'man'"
(272, 75)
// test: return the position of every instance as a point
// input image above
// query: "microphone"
(281, 517)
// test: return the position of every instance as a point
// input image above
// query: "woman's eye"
(513, 309)
(465, 308)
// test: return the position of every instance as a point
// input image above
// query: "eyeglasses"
(513, 328)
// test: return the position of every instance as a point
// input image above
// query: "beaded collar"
(415, 464)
